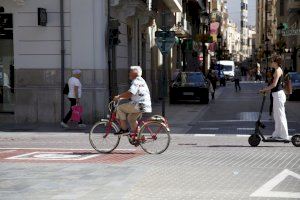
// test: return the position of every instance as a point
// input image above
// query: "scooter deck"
(274, 140)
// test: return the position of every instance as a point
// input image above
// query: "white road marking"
(246, 129)
(7, 151)
(234, 120)
(209, 129)
(240, 135)
(39, 133)
(51, 156)
(266, 189)
(61, 149)
(205, 135)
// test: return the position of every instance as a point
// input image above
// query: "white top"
(72, 83)
(141, 95)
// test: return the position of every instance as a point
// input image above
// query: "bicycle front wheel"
(155, 137)
(102, 137)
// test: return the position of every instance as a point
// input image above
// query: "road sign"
(165, 40)
(165, 34)
(165, 45)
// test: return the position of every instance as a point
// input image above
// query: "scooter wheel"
(254, 140)
(296, 140)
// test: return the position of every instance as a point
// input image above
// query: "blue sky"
(234, 9)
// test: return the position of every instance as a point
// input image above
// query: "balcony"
(294, 6)
(174, 5)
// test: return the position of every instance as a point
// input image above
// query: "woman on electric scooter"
(279, 99)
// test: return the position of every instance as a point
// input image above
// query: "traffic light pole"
(266, 35)
(163, 105)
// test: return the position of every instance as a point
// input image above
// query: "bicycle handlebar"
(114, 104)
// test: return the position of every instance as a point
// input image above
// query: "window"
(6, 64)
(281, 8)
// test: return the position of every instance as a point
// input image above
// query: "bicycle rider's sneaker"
(122, 132)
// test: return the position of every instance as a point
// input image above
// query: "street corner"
(67, 156)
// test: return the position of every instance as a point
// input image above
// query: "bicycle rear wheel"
(102, 137)
(154, 137)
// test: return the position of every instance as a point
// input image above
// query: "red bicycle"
(153, 135)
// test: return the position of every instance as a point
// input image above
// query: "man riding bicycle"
(140, 101)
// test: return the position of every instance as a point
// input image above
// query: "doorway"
(6, 63)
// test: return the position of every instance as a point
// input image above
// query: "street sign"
(165, 34)
(165, 45)
(165, 40)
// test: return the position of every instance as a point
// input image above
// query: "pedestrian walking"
(211, 76)
(258, 73)
(237, 78)
(74, 96)
(279, 99)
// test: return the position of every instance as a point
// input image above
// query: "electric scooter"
(258, 136)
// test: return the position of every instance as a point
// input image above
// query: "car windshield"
(295, 77)
(184, 78)
(227, 67)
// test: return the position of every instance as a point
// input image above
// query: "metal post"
(62, 58)
(266, 35)
(109, 52)
(163, 105)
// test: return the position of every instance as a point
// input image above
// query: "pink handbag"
(76, 113)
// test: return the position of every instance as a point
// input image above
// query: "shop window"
(6, 64)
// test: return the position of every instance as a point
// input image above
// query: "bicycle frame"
(134, 135)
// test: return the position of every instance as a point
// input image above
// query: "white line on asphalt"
(40, 133)
(239, 135)
(51, 156)
(61, 149)
(7, 151)
(220, 121)
(209, 129)
(245, 129)
(205, 135)
(267, 189)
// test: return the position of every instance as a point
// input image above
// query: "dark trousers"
(214, 86)
(237, 84)
(69, 114)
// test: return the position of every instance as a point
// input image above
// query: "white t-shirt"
(141, 95)
(72, 83)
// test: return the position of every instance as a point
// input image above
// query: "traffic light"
(114, 32)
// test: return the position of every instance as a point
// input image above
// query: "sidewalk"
(180, 116)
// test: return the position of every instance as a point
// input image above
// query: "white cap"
(76, 71)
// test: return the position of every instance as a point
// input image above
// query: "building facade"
(233, 41)
(288, 33)
(41, 42)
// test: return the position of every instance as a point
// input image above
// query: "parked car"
(295, 78)
(189, 86)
